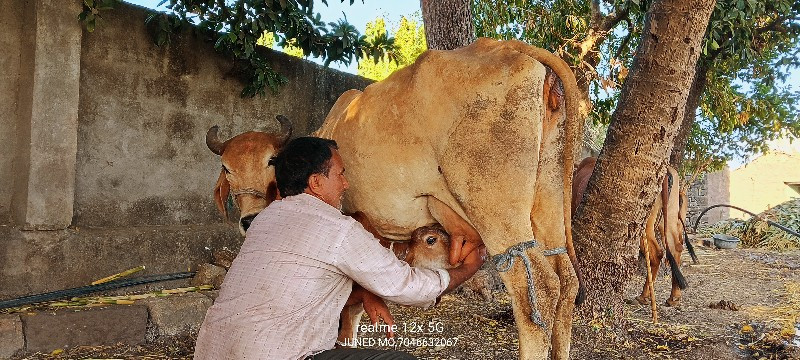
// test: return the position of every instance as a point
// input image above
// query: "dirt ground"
(763, 286)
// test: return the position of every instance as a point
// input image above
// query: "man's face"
(334, 185)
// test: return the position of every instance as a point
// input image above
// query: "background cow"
(670, 207)
(246, 174)
(469, 139)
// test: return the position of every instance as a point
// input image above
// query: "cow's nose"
(246, 221)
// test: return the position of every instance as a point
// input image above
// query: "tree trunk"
(609, 223)
(689, 115)
(448, 23)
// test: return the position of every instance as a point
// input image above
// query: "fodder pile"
(757, 233)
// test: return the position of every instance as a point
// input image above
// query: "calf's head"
(430, 248)
(246, 176)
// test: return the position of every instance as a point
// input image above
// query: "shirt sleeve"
(362, 258)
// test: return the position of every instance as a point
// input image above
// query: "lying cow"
(672, 205)
(476, 139)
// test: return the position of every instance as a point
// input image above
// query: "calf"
(428, 248)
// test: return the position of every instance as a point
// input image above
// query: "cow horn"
(286, 129)
(213, 142)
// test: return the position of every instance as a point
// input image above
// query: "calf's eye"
(430, 240)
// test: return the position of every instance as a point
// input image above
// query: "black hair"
(298, 160)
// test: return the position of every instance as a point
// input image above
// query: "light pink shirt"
(283, 294)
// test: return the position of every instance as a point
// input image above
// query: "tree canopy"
(749, 48)
(409, 43)
(235, 26)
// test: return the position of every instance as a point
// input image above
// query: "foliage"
(749, 49)
(409, 43)
(755, 232)
(90, 14)
(235, 27)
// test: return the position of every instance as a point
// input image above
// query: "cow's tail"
(676, 272)
(677, 276)
(689, 246)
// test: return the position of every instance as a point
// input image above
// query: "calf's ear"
(221, 193)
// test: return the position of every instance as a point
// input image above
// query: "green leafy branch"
(90, 15)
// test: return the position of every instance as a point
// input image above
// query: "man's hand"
(376, 309)
(460, 248)
(374, 306)
(472, 263)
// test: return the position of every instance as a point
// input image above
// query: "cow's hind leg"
(534, 340)
(562, 328)
(678, 281)
(653, 262)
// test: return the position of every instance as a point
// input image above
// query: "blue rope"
(504, 262)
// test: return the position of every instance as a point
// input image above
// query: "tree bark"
(689, 115)
(609, 223)
(448, 23)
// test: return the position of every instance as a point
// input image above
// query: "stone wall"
(709, 189)
(103, 147)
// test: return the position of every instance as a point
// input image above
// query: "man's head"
(311, 165)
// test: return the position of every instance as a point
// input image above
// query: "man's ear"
(315, 183)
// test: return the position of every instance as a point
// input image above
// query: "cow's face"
(430, 248)
(246, 176)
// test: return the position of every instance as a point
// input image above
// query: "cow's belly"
(390, 185)
(394, 214)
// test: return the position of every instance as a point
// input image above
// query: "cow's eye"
(430, 240)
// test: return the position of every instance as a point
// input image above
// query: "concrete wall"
(103, 141)
(761, 184)
(142, 158)
(11, 20)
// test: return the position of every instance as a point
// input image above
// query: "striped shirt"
(282, 297)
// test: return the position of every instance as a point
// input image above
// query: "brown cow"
(474, 139)
(443, 141)
(246, 174)
(671, 202)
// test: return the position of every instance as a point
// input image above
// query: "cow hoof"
(673, 302)
(642, 300)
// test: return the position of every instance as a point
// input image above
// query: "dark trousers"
(361, 354)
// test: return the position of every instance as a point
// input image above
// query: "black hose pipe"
(779, 226)
(69, 293)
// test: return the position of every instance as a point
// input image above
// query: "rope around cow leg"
(503, 262)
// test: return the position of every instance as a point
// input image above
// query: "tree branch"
(600, 27)
(623, 46)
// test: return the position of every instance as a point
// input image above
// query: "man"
(284, 292)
